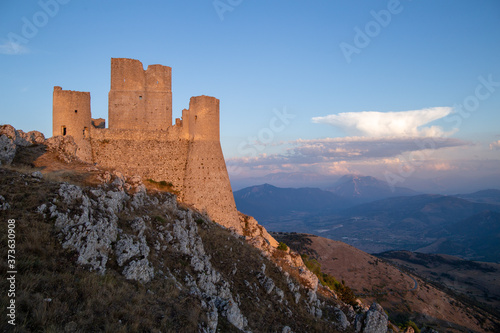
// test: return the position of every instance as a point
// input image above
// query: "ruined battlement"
(141, 140)
(138, 98)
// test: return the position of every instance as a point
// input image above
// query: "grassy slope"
(379, 281)
(53, 294)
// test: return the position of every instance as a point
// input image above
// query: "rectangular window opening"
(63, 130)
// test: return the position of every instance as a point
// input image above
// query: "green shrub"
(282, 246)
(411, 324)
(160, 219)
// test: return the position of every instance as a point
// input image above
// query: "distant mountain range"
(264, 201)
(366, 213)
(485, 196)
(286, 179)
(267, 201)
(366, 188)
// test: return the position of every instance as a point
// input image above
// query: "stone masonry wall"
(196, 168)
(138, 98)
(159, 155)
(207, 184)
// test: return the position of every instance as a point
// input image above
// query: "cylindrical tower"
(204, 118)
(71, 113)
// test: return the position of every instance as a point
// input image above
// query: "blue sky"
(266, 59)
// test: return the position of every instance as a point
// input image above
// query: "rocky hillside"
(96, 251)
(405, 296)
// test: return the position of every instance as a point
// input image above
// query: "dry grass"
(238, 262)
(54, 294)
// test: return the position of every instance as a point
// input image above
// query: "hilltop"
(97, 250)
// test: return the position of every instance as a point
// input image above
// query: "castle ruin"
(141, 140)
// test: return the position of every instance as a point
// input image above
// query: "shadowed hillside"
(404, 295)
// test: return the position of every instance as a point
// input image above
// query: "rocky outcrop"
(10, 139)
(256, 234)
(64, 147)
(7, 150)
(87, 223)
(372, 321)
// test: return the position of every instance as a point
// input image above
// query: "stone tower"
(71, 116)
(206, 182)
(138, 98)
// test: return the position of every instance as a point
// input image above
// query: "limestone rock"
(127, 248)
(255, 233)
(10, 139)
(4, 205)
(37, 174)
(373, 321)
(30, 138)
(341, 319)
(64, 146)
(9, 131)
(7, 150)
(139, 270)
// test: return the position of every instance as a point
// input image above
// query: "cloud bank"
(495, 145)
(380, 141)
(347, 149)
(389, 124)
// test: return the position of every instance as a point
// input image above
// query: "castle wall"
(138, 98)
(158, 155)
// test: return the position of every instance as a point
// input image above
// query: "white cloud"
(389, 124)
(495, 145)
(11, 48)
